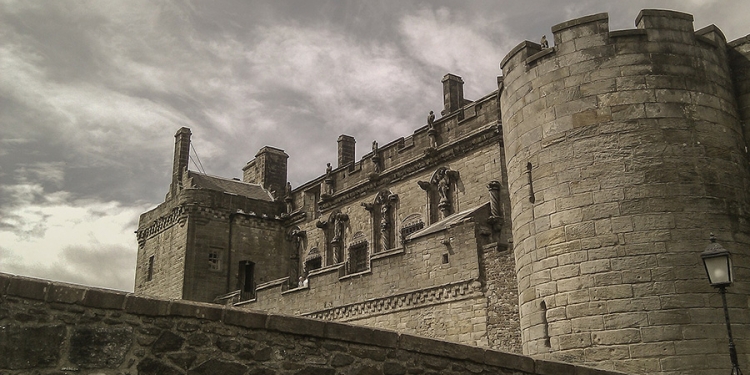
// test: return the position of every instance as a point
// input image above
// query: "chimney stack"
(181, 157)
(346, 149)
(453, 93)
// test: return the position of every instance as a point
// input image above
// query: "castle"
(561, 216)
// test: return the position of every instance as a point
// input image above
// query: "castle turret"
(624, 152)
(181, 157)
(268, 169)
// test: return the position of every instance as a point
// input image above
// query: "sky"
(92, 93)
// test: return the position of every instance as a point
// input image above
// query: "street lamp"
(718, 263)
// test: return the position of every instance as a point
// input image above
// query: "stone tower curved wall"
(624, 151)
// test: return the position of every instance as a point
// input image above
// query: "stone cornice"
(405, 301)
(432, 158)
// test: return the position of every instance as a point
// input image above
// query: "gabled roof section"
(446, 223)
(252, 191)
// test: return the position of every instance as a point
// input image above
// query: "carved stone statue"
(544, 43)
(384, 226)
(443, 187)
(338, 226)
(288, 200)
(431, 120)
(376, 156)
(328, 182)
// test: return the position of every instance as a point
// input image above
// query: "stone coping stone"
(662, 13)
(57, 292)
(580, 21)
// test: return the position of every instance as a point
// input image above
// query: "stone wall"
(624, 152)
(53, 328)
(398, 289)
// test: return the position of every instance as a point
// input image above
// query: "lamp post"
(718, 263)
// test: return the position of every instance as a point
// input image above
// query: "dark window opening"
(358, 257)
(150, 274)
(213, 261)
(247, 279)
(445, 258)
(543, 306)
(410, 228)
(313, 264)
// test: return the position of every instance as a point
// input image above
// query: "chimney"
(181, 157)
(268, 169)
(346, 149)
(453, 93)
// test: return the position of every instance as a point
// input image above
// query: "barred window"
(411, 227)
(358, 257)
(213, 261)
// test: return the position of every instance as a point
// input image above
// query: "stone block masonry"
(636, 150)
(52, 328)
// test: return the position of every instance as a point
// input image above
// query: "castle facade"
(561, 216)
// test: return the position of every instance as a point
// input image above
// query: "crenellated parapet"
(625, 149)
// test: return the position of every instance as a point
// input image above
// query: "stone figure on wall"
(443, 181)
(288, 200)
(544, 43)
(297, 237)
(385, 226)
(339, 222)
(443, 187)
(431, 131)
(328, 182)
(376, 156)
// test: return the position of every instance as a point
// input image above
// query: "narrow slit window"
(150, 274)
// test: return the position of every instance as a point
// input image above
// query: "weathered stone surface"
(216, 366)
(30, 347)
(150, 366)
(100, 347)
(182, 360)
(168, 342)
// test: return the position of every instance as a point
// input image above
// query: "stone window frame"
(214, 260)
(359, 244)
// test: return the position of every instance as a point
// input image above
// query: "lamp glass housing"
(719, 268)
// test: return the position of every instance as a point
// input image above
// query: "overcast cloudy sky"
(92, 92)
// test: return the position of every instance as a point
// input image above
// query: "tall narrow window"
(246, 282)
(150, 274)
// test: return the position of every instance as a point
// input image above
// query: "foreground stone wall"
(53, 328)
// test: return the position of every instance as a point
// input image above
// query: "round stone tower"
(625, 150)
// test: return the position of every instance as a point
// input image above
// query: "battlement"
(592, 34)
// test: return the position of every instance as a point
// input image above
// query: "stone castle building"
(561, 216)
